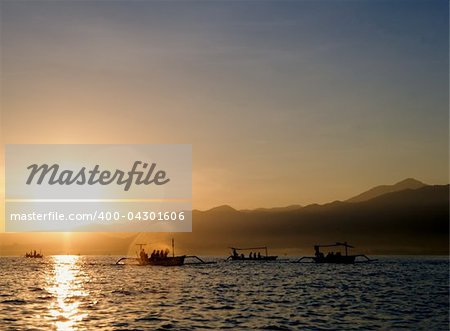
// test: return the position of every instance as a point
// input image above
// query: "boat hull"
(30, 256)
(262, 258)
(164, 262)
(34, 257)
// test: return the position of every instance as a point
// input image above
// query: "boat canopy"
(336, 244)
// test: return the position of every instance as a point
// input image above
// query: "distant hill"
(406, 184)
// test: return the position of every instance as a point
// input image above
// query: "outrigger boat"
(157, 259)
(34, 255)
(332, 257)
(160, 258)
(253, 256)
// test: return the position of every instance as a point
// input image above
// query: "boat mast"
(173, 248)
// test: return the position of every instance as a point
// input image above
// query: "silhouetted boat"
(157, 258)
(331, 257)
(34, 255)
(253, 256)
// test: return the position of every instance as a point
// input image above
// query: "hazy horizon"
(401, 221)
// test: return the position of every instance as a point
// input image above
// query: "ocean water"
(83, 292)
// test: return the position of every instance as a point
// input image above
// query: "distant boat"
(34, 255)
(253, 256)
(332, 257)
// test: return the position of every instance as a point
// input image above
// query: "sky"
(284, 102)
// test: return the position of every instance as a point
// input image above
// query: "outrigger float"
(253, 256)
(162, 259)
(336, 258)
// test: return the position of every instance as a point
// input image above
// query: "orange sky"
(281, 106)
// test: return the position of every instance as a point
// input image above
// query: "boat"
(34, 255)
(157, 258)
(160, 257)
(253, 256)
(332, 257)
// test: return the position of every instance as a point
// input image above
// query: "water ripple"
(69, 293)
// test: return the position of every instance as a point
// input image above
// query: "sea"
(69, 292)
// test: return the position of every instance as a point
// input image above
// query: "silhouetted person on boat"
(259, 255)
(235, 254)
(242, 256)
(250, 256)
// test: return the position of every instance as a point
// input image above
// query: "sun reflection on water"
(66, 285)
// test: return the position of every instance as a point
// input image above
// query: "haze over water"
(80, 292)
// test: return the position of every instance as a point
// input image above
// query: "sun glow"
(66, 285)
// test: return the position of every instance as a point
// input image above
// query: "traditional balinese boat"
(331, 257)
(34, 255)
(253, 256)
(157, 258)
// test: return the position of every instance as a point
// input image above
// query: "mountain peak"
(410, 183)
(406, 184)
(222, 208)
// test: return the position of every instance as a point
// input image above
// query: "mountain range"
(406, 221)
(408, 217)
